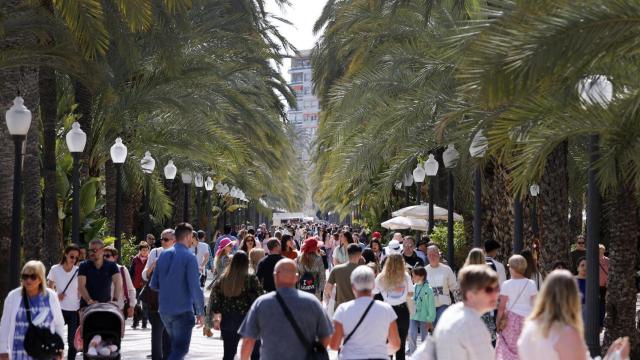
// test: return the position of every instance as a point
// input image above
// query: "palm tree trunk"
(502, 219)
(32, 221)
(49, 109)
(621, 288)
(554, 209)
(84, 99)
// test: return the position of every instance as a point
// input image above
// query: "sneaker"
(149, 356)
(134, 327)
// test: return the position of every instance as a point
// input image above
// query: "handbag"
(505, 317)
(126, 294)
(39, 342)
(358, 324)
(316, 351)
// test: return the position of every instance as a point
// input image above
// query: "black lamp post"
(418, 177)
(170, 172)
(148, 164)
(186, 181)
(478, 149)
(431, 169)
(199, 183)
(18, 122)
(208, 186)
(407, 182)
(450, 158)
(76, 141)
(593, 90)
(517, 225)
(118, 156)
(534, 190)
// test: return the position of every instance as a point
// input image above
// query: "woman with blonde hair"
(516, 303)
(476, 257)
(395, 286)
(554, 330)
(255, 255)
(32, 302)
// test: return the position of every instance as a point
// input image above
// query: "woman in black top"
(230, 300)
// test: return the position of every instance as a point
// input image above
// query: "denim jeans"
(179, 328)
(439, 311)
(412, 339)
(160, 342)
(71, 320)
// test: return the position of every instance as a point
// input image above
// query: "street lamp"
(148, 164)
(170, 172)
(186, 180)
(18, 121)
(76, 141)
(478, 149)
(118, 156)
(418, 178)
(407, 181)
(431, 169)
(593, 90)
(450, 159)
(534, 190)
(199, 183)
(208, 187)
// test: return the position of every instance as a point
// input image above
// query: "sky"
(303, 14)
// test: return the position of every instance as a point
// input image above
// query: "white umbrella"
(402, 222)
(422, 212)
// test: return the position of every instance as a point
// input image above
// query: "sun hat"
(394, 247)
(310, 245)
(223, 244)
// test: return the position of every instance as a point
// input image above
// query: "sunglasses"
(93, 251)
(492, 289)
(72, 257)
(165, 239)
(107, 256)
(32, 277)
(580, 242)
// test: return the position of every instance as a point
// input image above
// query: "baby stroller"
(105, 320)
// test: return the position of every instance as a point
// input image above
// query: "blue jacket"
(176, 278)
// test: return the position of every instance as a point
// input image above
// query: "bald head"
(285, 274)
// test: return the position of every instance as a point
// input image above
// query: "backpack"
(307, 282)
(491, 264)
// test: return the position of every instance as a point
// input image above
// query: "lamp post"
(118, 156)
(208, 187)
(534, 190)
(148, 164)
(450, 159)
(199, 183)
(76, 141)
(170, 172)
(593, 90)
(418, 178)
(478, 149)
(407, 181)
(431, 169)
(186, 181)
(518, 242)
(18, 121)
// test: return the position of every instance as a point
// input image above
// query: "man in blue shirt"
(176, 278)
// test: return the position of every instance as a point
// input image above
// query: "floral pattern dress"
(221, 304)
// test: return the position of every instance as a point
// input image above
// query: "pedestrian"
(329, 245)
(126, 300)
(477, 257)
(255, 256)
(226, 233)
(441, 279)
(581, 279)
(31, 302)
(83, 255)
(160, 342)
(138, 264)
(560, 265)
(340, 278)
(288, 247)
(63, 278)
(532, 271)
(396, 288)
(201, 250)
(276, 317)
(554, 330)
(579, 252)
(311, 269)
(363, 326)
(230, 299)
(422, 318)
(249, 243)
(96, 277)
(603, 263)
(266, 266)
(409, 254)
(377, 250)
(221, 259)
(176, 280)
(340, 255)
(491, 249)
(460, 333)
(517, 296)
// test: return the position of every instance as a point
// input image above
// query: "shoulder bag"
(39, 342)
(316, 350)
(358, 324)
(69, 283)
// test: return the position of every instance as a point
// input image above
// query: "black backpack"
(307, 282)
(491, 264)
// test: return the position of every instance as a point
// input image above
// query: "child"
(425, 308)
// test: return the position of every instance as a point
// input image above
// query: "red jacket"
(137, 266)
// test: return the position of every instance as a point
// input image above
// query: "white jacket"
(8, 322)
(131, 296)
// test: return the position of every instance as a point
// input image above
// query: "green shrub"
(129, 248)
(461, 247)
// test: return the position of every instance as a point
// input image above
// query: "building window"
(297, 77)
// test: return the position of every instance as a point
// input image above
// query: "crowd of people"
(303, 289)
